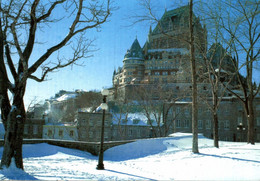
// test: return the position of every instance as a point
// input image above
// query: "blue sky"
(112, 42)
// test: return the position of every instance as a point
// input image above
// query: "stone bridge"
(91, 147)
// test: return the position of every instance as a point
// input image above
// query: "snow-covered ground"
(152, 159)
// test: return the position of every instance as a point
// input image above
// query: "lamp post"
(241, 128)
(104, 107)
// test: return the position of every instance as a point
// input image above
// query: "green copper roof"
(167, 16)
(176, 12)
(135, 51)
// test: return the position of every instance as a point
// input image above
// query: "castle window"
(71, 133)
(174, 18)
(35, 129)
(49, 133)
(26, 129)
(200, 125)
(186, 123)
(173, 73)
(178, 123)
(208, 124)
(60, 133)
(226, 125)
(165, 73)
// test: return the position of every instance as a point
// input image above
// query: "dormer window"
(173, 18)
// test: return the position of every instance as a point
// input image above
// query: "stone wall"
(90, 147)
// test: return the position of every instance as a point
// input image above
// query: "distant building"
(60, 131)
(89, 126)
(229, 119)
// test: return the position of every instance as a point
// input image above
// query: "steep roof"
(178, 12)
(135, 51)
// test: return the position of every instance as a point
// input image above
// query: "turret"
(134, 63)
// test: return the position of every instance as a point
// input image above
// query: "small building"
(132, 126)
(62, 131)
(90, 124)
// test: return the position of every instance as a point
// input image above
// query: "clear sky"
(112, 42)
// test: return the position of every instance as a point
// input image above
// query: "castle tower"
(133, 64)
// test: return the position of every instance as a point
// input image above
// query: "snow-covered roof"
(65, 97)
(183, 102)
(87, 109)
(133, 119)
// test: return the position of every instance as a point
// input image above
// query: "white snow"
(152, 159)
(131, 117)
(65, 97)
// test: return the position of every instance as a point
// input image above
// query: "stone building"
(231, 115)
(164, 62)
(89, 126)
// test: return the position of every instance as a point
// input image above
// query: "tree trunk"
(14, 133)
(215, 119)
(215, 130)
(195, 148)
(4, 100)
(250, 121)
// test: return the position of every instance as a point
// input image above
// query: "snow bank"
(138, 149)
(151, 159)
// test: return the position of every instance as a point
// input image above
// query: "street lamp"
(241, 128)
(104, 107)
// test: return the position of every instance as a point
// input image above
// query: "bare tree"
(195, 147)
(120, 112)
(20, 23)
(240, 23)
(217, 60)
(156, 102)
